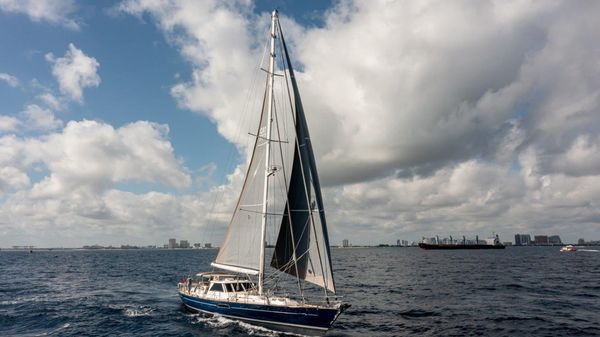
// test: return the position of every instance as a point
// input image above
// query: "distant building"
(581, 242)
(93, 247)
(507, 243)
(184, 244)
(208, 245)
(173, 243)
(554, 240)
(345, 243)
(197, 245)
(540, 239)
(522, 239)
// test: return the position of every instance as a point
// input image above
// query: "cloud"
(52, 11)
(582, 158)
(9, 79)
(91, 157)
(81, 168)
(9, 123)
(51, 101)
(38, 118)
(32, 118)
(12, 178)
(74, 72)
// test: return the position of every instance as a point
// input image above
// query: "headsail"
(303, 233)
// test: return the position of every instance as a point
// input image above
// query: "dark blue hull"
(305, 320)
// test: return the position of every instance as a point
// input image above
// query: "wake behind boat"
(281, 195)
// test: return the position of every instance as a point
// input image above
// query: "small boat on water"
(568, 248)
(281, 197)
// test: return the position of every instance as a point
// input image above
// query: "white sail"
(242, 245)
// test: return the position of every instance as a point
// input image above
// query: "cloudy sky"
(120, 121)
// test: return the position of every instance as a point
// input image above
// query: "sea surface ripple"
(519, 291)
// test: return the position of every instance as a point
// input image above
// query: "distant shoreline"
(192, 249)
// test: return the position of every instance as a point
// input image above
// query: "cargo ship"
(436, 243)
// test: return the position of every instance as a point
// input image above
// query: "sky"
(120, 121)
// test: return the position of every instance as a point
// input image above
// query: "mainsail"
(302, 247)
(241, 248)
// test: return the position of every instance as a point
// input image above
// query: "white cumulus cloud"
(38, 118)
(50, 100)
(74, 72)
(82, 166)
(9, 123)
(52, 11)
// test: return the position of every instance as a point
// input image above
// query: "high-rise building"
(581, 242)
(540, 239)
(345, 243)
(184, 244)
(554, 240)
(522, 239)
(173, 243)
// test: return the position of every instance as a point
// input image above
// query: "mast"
(268, 169)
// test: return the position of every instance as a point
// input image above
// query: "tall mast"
(268, 169)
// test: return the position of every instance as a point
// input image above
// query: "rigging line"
(229, 160)
(274, 74)
(258, 212)
(264, 138)
(292, 76)
(287, 190)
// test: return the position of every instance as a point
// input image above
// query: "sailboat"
(281, 196)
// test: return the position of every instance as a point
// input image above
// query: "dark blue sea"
(520, 291)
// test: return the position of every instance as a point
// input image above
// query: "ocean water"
(519, 291)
